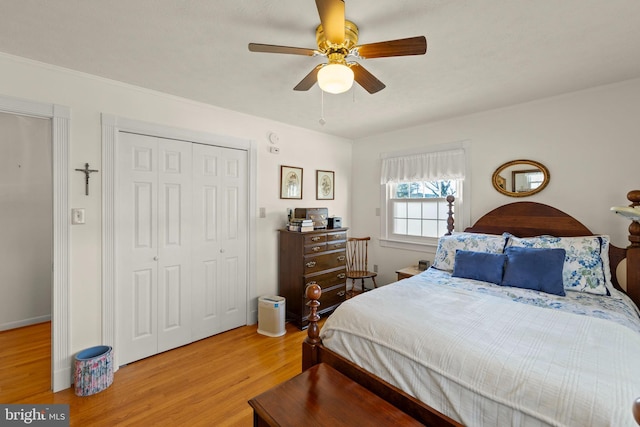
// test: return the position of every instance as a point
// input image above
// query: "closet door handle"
(155, 258)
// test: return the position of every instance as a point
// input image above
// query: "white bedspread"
(490, 361)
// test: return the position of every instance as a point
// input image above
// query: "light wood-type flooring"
(206, 383)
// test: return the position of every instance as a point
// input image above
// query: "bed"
(450, 347)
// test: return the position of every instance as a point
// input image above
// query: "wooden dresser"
(313, 257)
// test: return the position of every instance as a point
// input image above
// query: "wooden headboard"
(528, 219)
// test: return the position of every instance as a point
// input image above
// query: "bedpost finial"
(450, 221)
(313, 293)
(634, 197)
(636, 410)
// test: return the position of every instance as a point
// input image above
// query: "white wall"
(588, 140)
(89, 96)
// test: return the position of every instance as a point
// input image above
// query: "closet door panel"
(174, 243)
(206, 242)
(234, 235)
(219, 222)
(137, 247)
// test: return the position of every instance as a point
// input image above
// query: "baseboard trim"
(25, 322)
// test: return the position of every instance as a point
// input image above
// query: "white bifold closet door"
(219, 239)
(181, 243)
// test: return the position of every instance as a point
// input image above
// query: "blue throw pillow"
(533, 268)
(483, 266)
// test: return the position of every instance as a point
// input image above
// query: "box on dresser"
(317, 215)
(317, 256)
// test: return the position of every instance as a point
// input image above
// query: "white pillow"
(448, 245)
(585, 263)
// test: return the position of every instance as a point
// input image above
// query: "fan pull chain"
(322, 121)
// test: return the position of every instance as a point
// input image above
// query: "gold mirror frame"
(501, 184)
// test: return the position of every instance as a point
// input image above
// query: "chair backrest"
(357, 257)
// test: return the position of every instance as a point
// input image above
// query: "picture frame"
(290, 182)
(325, 185)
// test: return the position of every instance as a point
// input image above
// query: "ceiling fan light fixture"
(335, 78)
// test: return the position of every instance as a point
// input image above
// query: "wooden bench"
(322, 396)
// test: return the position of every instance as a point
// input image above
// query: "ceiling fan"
(337, 40)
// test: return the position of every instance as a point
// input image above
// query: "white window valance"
(433, 166)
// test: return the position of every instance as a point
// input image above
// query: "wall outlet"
(274, 150)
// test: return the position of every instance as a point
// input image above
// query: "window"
(414, 190)
(420, 208)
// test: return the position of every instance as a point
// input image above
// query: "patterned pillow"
(584, 263)
(447, 246)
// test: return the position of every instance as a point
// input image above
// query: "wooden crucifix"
(86, 172)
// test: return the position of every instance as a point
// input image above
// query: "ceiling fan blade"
(332, 19)
(401, 47)
(366, 79)
(309, 80)
(269, 48)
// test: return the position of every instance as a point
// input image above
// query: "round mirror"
(520, 178)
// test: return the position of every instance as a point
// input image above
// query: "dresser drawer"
(336, 236)
(329, 299)
(324, 261)
(314, 249)
(327, 280)
(315, 238)
(336, 245)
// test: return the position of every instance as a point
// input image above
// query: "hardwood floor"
(207, 383)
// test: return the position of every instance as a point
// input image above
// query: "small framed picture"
(290, 182)
(325, 181)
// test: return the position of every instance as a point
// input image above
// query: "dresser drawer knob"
(341, 258)
(341, 293)
(342, 276)
(315, 238)
(311, 264)
(316, 248)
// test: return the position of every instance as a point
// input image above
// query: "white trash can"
(271, 311)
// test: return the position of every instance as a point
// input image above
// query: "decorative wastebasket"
(93, 370)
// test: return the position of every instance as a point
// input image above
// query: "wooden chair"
(358, 262)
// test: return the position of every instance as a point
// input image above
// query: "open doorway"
(26, 225)
(60, 120)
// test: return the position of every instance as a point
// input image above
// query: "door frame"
(60, 288)
(111, 126)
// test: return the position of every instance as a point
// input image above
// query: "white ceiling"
(481, 54)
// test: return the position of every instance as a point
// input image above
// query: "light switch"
(77, 216)
(263, 212)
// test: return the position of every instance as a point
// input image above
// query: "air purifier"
(271, 310)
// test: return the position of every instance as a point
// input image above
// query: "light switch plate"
(77, 216)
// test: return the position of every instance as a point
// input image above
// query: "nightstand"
(407, 272)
